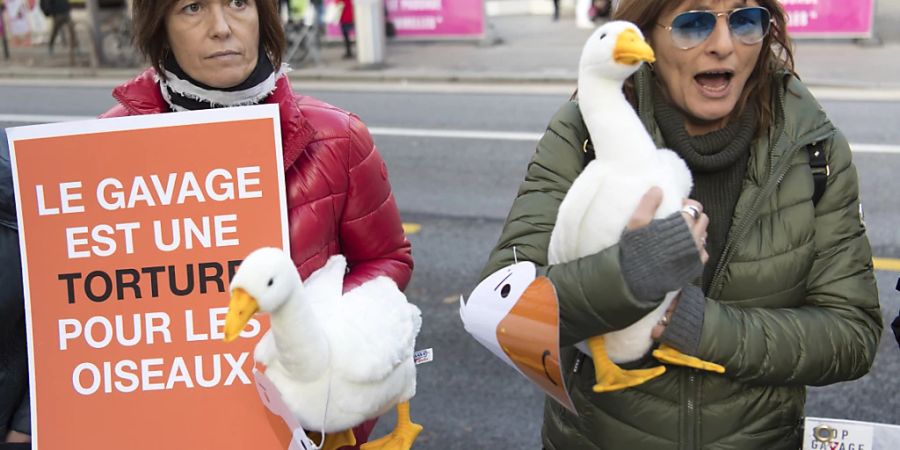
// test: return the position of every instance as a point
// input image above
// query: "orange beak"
(241, 308)
(632, 49)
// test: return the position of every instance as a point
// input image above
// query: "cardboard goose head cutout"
(515, 314)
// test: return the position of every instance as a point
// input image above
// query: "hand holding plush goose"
(344, 357)
(600, 202)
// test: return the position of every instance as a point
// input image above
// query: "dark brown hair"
(776, 53)
(149, 18)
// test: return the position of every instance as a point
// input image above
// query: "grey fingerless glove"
(659, 258)
(686, 324)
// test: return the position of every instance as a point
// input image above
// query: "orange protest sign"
(131, 229)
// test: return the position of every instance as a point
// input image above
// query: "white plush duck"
(341, 358)
(600, 202)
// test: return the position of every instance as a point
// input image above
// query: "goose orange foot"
(403, 435)
(611, 377)
(669, 355)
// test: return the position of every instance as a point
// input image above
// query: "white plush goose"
(341, 357)
(600, 202)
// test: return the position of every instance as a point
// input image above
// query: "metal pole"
(93, 7)
(3, 33)
(368, 18)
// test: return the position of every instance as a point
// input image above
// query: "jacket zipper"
(781, 171)
(693, 425)
(739, 232)
(778, 173)
(691, 405)
(688, 440)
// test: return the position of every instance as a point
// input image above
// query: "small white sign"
(831, 434)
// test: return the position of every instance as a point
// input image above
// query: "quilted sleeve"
(371, 232)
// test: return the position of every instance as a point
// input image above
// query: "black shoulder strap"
(820, 170)
(588, 149)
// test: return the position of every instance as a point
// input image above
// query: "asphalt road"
(459, 190)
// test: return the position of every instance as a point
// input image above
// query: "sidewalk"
(535, 49)
(519, 48)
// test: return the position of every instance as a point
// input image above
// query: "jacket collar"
(142, 96)
(296, 131)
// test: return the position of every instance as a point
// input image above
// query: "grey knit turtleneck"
(718, 163)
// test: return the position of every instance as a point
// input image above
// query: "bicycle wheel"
(296, 36)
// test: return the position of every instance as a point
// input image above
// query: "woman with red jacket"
(346, 26)
(220, 53)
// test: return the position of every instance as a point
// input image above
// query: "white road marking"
(421, 132)
(40, 118)
(456, 134)
(560, 87)
(875, 148)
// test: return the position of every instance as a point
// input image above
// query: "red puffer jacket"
(338, 196)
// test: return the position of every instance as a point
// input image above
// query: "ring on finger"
(692, 211)
(664, 320)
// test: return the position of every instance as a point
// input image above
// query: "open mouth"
(714, 80)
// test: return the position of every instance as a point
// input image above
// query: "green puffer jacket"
(793, 301)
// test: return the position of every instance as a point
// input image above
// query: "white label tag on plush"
(423, 356)
(271, 398)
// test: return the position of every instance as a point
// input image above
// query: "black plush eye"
(602, 35)
(504, 291)
(271, 281)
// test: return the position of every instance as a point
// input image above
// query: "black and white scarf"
(184, 93)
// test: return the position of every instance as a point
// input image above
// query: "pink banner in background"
(829, 18)
(427, 19)
(437, 18)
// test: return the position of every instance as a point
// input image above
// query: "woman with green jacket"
(787, 298)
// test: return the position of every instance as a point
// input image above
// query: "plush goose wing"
(372, 330)
(566, 240)
(327, 282)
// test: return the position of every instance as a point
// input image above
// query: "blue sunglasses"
(749, 25)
